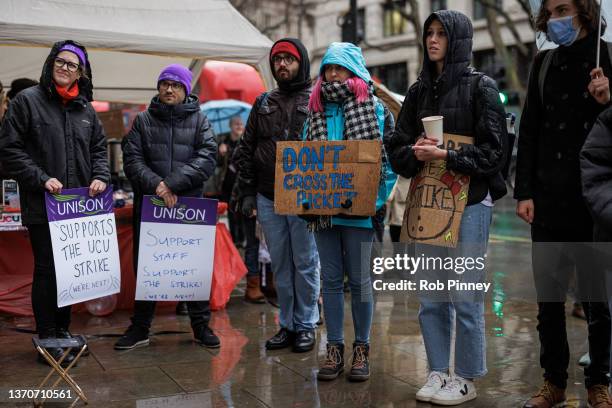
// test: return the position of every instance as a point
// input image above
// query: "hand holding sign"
(96, 188)
(166, 194)
(54, 186)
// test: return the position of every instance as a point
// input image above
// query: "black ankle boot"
(360, 366)
(62, 333)
(334, 362)
(56, 352)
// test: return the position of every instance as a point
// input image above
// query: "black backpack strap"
(543, 71)
(264, 99)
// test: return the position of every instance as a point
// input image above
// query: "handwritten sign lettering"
(436, 201)
(85, 249)
(176, 253)
(327, 178)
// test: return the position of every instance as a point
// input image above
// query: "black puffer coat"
(42, 139)
(596, 168)
(451, 96)
(553, 131)
(173, 143)
(278, 115)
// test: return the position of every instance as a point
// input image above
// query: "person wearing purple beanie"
(176, 166)
(51, 139)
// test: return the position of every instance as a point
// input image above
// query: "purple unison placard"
(76, 203)
(188, 210)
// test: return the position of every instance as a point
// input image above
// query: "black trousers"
(144, 310)
(553, 263)
(251, 251)
(236, 226)
(48, 316)
(395, 231)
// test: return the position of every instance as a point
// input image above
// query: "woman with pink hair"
(343, 107)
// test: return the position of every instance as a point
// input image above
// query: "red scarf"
(67, 94)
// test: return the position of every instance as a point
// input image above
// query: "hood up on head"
(459, 32)
(302, 79)
(46, 77)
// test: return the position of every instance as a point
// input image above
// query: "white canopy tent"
(128, 41)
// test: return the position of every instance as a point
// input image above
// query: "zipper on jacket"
(171, 142)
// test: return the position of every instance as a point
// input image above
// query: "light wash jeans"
(340, 251)
(436, 318)
(294, 264)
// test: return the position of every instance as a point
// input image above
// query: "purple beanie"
(177, 73)
(77, 51)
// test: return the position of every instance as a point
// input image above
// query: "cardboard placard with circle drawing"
(436, 201)
(327, 177)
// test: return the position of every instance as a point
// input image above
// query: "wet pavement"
(175, 372)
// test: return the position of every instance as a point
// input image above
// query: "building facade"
(389, 40)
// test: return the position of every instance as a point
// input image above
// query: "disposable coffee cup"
(434, 129)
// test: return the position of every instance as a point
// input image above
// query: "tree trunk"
(502, 51)
(418, 28)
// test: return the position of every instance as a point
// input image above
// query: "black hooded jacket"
(42, 139)
(451, 96)
(278, 115)
(170, 143)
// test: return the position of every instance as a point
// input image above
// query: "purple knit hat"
(177, 73)
(75, 50)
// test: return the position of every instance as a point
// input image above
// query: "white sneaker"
(457, 391)
(435, 382)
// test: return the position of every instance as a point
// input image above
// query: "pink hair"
(357, 86)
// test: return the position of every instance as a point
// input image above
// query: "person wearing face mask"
(169, 152)
(562, 104)
(52, 139)
(469, 102)
(279, 115)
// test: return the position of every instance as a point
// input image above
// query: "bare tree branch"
(527, 9)
(492, 5)
(502, 51)
(414, 18)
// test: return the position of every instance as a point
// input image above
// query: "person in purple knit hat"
(176, 166)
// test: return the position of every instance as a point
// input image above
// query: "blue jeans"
(436, 318)
(340, 251)
(294, 264)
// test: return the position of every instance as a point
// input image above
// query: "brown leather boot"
(253, 293)
(599, 397)
(549, 396)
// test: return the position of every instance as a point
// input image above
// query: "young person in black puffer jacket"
(469, 102)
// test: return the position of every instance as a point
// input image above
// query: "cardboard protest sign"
(327, 178)
(85, 249)
(436, 201)
(177, 249)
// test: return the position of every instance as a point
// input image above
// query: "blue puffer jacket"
(350, 57)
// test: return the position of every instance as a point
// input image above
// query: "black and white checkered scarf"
(360, 121)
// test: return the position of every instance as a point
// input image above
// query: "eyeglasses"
(72, 67)
(288, 59)
(170, 85)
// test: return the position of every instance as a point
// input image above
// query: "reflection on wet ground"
(175, 372)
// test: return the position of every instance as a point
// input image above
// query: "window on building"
(393, 76)
(480, 10)
(393, 21)
(438, 5)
